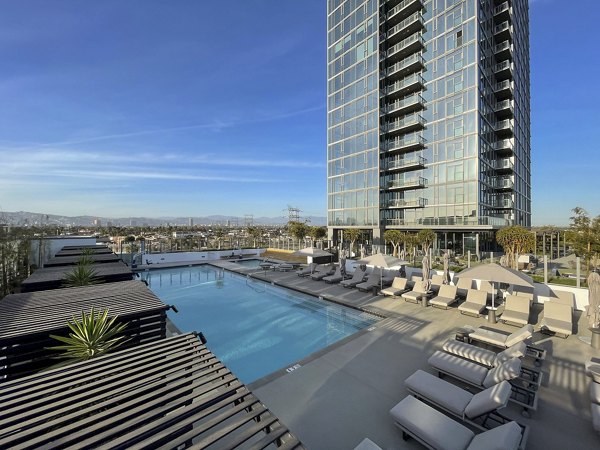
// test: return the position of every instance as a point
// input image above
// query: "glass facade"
(428, 114)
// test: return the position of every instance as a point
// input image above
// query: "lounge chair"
(398, 287)
(479, 410)
(367, 444)
(357, 277)
(437, 281)
(416, 294)
(516, 310)
(483, 356)
(446, 296)
(322, 272)
(414, 280)
(475, 303)
(564, 297)
(435, 430)
(592, 369)
(558, 319)
(283, 267)
(373, 280)
(335, 278)
(306, 271)
(595, 398)
(524, 381)
(501, 340)
(463, 286)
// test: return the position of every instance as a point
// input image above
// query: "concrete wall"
(158, 258)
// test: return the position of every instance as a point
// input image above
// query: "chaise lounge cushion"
(508, 370)
(440, 392)
(502, 340)
(399, 286)
(465, 370)
(470, 352)
(475, 303)
(431, 426)
(491, 399)
(558, 318)
(592, 369)
(596, 416)
(504, 437)
(595, 393)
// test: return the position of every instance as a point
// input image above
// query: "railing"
(449, 221)
(504, 65)
(411, 182)
(413, 119)
(417, 203)
(502, 27)
(503, 183)
(504, 104)
(412, 99)
(504, 45)
(401, 65)
(403, 44)
(393, 144)
(399, 7)
(501, 8)
(499, 164)
(404, 82)
(404, 162)
(504, 125)
(506, 84)
(503, 203)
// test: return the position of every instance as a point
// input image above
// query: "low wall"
(158, 258)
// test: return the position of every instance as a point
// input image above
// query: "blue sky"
(194, 108)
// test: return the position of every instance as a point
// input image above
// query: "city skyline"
(110, 112)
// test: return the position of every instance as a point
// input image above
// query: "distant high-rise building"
(429, 118)
(97, 223)
(190, 222)
(132, 223)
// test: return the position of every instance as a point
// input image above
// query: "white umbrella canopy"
(311, 251)
(382, 261)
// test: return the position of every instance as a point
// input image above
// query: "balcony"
(503, 184)
(503, 165)
(404, 204)
(503, 70)
(504, 89)
(505, 108)
(401, 185)
(503, 51)
(410, 103)
(505, 147)
(402, 10)
(403, 87)
(503, 31)
(503, 203)
(402, 164)
(504, 128)
(404, 48)
(402, 68)
(404, 125)
(406, 144)
(502, 12)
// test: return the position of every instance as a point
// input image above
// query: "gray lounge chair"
(306, 271)
(558, 319)
(435, 430)
(475, 303)
(595, 398)
(398, 287)
(502, 340)
(463, 286)
(446, 297)
(483, 356)
(357, 277)
(516, 310)
(322, 272)
(335, 278)
(374, 280)
(478, 410)
(416, 294)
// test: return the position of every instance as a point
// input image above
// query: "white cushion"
(592, 369)
(505, 371)
(520, 335)
(465, 370)
(488, 400)
(489, 336)
(436, 429)
(504, 437)
(515, 317)
(516, 351)
(438, 391)
(470, 307)
(470, 352)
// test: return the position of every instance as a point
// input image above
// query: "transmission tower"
(248, 220)
(293, 214)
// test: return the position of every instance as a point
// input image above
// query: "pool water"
(253, 327)
(249, 263)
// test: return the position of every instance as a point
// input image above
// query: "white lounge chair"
(398, 287)
(416, 294)
(479, 410)
(436, 282)
(357, 277)
(435, 430)
(501, 340)
(595, 398)
(446, 297)
(475, 303)
(558, 319)
(483, 356)
(463, 286)
(516, 310)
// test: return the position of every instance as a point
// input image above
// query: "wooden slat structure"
(96, 258)
(170, 394)
(28, 319)
(54, 277)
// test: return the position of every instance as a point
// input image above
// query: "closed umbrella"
(593, 312)
(426, 269)
(446, 268)
(343, 265)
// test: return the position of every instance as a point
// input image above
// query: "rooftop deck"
(343, 394)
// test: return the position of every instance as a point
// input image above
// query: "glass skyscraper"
(428, 118)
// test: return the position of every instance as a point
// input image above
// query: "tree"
(255, 233)
(316, 233)
(410, 244)
(352, 235)
(219, 233)
(94, 335)
(426, 238)
(584, 235)
(297, 230)
(394, 237)
(515, 240)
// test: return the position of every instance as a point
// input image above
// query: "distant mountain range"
(25, 218)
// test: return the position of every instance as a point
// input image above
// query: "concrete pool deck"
(345, 393)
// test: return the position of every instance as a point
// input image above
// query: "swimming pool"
(249, 263)
(253, 327)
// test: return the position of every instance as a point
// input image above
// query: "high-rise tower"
(428, 118)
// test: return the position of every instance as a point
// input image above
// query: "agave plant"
(86, 257)
(94, 335)
(81, 275)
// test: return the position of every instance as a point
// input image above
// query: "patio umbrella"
(426, 269)
(497, 274)
(446, 268)
(382, 261)
(343, 265)
(593, 312)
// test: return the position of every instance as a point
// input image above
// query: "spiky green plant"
(86, 257)
(81, 275)
(94, 335)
